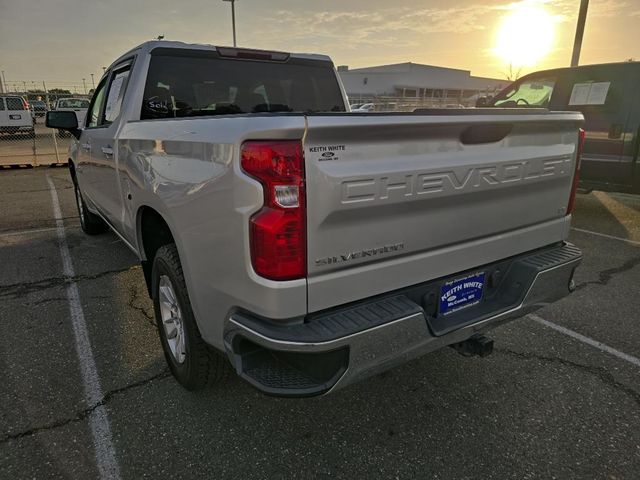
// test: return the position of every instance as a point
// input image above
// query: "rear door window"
(603, 94)
(14, 103)
(189, 85)
(115, 95)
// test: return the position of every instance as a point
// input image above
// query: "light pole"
(577, 43)
(84, 84)
(233, 18)
(92, 82)
(4, 83)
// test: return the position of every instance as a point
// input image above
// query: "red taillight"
(576, 175)
(278, 230)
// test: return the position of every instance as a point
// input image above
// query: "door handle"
(108, 152)
(615, 131)
(86, 146)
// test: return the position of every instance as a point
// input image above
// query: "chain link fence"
(409, 104)
(24, 139)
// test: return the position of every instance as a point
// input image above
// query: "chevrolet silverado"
(306, 246)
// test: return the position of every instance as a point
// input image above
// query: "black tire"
(202, 366)
(90, 223)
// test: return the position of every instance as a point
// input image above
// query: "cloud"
(397, 27)
(405, 27)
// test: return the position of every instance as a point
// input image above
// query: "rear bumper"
(334, 349)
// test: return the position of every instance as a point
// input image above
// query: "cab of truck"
(609, 98)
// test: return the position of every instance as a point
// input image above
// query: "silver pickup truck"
(311, 246)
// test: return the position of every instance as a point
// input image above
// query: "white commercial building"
(414, 80)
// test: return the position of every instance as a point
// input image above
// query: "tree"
(513, 73)
(60, 91)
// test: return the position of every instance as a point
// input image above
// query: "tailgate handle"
(488, 133)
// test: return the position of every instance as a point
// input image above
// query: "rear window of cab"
(192, 85)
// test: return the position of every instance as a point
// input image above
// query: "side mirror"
(63, 121)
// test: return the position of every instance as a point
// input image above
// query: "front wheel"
(90, 223)
(193, 363)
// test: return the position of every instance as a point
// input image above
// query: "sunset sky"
(65, 40)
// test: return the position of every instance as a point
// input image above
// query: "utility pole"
(233, 18)
(577, 43)
(4, 88)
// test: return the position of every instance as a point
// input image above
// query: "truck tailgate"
(395, 200)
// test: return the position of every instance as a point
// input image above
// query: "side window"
(93, 117)
(116, 94)
(1, 103)
(14, 103)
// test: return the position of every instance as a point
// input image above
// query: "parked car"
(15, 116)
(312, 247)
(38, 107)
(609, 98)
(364, 108)
(77, 105)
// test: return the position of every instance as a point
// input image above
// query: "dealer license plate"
(461, 293)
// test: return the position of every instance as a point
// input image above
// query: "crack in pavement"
(18, 230)
(83, 414)
(36, 190)
(135, 295)
(599, 372)
(605, 276)
(44, 301)
(16, 290)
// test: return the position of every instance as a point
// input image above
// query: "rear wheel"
(192, 362)
(90, 223)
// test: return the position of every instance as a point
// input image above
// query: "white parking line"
(589, 341)
(612, 237)
(99, 422)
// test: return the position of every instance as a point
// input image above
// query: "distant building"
(414, 80)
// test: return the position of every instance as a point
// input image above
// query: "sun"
(525, 35)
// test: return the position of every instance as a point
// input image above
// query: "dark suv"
(609, 98)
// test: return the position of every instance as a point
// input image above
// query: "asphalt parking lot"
(547, 403)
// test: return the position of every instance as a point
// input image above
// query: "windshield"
(187, 86)
(534, 92)
(73, 103)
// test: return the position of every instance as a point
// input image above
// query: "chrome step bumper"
(331, 350)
